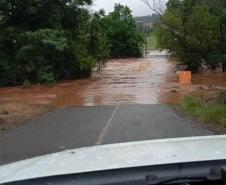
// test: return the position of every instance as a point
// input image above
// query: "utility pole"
(145, 39)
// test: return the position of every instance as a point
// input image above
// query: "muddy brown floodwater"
(151, 80)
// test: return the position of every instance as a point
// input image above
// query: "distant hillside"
(146, 22)
(148, 18)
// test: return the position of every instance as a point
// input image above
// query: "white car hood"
(134, 154)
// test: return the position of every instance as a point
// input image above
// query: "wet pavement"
(87, 126)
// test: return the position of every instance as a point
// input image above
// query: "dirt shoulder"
(13, 115)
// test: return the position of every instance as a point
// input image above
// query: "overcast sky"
(137, 6)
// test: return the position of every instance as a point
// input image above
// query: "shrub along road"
(87, 126)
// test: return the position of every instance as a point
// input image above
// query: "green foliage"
(43, 41)
(124, 38)
(46, 77)
(99, 44)
(206, 109)
(194, 31)
(26, 84)
(41, 53)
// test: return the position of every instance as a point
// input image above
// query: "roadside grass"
(206, 108)
(151, 42)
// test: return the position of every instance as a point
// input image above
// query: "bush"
(39, 41)
(44, 56)
(46, 77)
(26, 84)
(45, 41)
(194, 30)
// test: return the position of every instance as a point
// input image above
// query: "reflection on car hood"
(134, 154)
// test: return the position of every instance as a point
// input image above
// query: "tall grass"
(206, 108)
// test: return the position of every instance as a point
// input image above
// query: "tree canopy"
(121, 30)
(195, 31)
(42, 41)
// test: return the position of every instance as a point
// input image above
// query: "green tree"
(125, 40)
(98, 42)
(194, 31)
(43, 40)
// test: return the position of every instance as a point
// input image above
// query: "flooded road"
(129, 81)
(151, 80)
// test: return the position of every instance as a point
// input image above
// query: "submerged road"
(87, 126)
(125, 95)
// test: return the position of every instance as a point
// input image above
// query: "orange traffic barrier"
(185, 77)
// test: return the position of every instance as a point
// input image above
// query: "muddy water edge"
(151, 80)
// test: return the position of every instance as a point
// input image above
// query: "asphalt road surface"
(88, 126)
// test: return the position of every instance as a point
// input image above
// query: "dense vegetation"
(121, 30)
(195, 31)
(42, 41)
